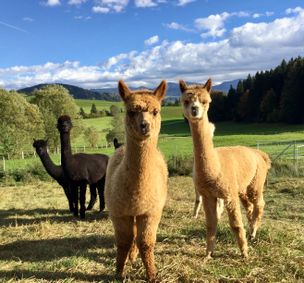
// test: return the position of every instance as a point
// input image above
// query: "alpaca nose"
(145, 127)
(194, 110)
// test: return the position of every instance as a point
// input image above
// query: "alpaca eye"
(155, 112)
(186, 102)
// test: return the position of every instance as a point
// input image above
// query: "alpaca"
(199, 197)
(57, 173)
(136, 184)
(229, 173)
(116, 143)
(81, 168)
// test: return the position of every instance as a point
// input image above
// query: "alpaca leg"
(258, 202)
(146, 238)
(236, 224)
(124, 235)
(134, 249)
(93, 196)
(100, 187)
(83, 188)
(248, 205)
(75, 198)
(68, 194)
(258, 210)
(219, 208)
(210, 204)
(197, 204)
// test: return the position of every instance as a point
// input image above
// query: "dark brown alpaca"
(116, 143)
(81, 168)
(57, 173)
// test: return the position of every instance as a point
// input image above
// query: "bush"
(27, 175)
(179, 165)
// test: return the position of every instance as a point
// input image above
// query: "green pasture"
(40, 241)
(86, 104)
(175, 137)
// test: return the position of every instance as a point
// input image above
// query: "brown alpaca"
(229, 173)
(136, 183)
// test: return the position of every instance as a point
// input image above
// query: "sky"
(94, 43)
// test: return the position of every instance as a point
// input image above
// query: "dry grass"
(41, 242)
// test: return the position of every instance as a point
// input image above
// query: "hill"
(110, 94)
(76, 92)
(173, 88)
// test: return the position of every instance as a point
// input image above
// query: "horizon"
(94, 43)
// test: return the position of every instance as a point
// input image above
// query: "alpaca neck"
(54, 170)
(205, 155)
(66, 151)
(139, 154)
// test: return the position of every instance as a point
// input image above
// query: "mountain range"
(110, 94)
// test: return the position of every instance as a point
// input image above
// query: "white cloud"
(106, 6)
(100, 10)
(27, 19)
(52, 3)
(184, 2)
(247, 49)
(144, 3)
(266, 14)
(76, 2)
(177, 26)
(213, 24)
(152, 40)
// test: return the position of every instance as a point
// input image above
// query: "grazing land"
(41, 242)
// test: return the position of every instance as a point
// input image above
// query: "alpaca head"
(40, 146)
(195, 100)
(142, 110)
(64, 124)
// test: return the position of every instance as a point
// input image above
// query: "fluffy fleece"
(136, 183)
(230, 173)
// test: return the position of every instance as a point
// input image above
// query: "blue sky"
(94, 43)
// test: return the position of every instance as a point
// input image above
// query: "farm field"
(41, 242)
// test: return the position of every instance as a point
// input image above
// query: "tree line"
(276, 95)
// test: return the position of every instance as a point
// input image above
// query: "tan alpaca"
(136, 183)
(229, 173)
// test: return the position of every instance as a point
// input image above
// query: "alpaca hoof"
(245, 254)
(102, 208)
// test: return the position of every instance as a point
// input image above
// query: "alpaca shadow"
(54, 276)
(39, 250)
(16, 217)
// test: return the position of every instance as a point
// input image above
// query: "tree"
(92, 136)
(93, 109)
(114, 110)
(82, 113)
(20, 121)
(117, 130)
(54, 101)
(267, 105)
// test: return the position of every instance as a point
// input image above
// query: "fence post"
(3, 163)
(258, 145)
(22, 155)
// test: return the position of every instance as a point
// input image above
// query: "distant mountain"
(111, 94)
(173, 88)
(76, 92)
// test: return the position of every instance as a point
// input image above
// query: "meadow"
(41, 242)
(175, 136)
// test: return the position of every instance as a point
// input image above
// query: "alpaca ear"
(208, 85)
(123, 89)
(160, 92)
(182, 86)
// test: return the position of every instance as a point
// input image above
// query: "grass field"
(41, 242)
